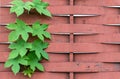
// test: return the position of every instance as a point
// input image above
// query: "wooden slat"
(51, 2)
(100, 57)
(76, 47)
(104, 19)
(105, 75)
(75, 67)
(97, 2)
(66, 47)
(37, 75)
(77, 2)
(100, 38)
(79, 56)
(69, 10)
(76, 28)
(53, 57)
(113, 19)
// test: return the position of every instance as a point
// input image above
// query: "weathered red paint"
(81, 47)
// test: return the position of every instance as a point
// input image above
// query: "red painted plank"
(75, 67)
(37, 75)
(61, 20)
(111, 2)
(67, 67)
(75, 10)
(100, 38)
(100, 57)
(66, 47)
(77, 2)
(97, 2)
(6, 18)
(105, 75)
(76, 47)
(55, 38)
(68, 10)
(104, 19)
(89, 2)
(63, 57)
(53, 57)
(51, 2)
(76, 28)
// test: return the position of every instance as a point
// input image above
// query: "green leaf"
(17, 2)
(40, 31)
(19, 48)
(47, 35)
(33, 62)
(16, 68)
(8, 63)
(11, 26)
(23, 62)
(13, 36)
(18, 7)
(40, 67)
(38, 47)
(41, 6)
(13, 54)
(43, 11)
(44, 55)
(19, 29)
(28, 6)
(15, 63)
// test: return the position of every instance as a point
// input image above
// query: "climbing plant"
(26, 55)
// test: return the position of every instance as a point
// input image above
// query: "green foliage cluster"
(25, 55)
(19, 7)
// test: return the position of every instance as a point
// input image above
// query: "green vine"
(26, 55)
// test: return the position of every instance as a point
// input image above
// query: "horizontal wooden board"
(75, 28)
(97, 2)
(78, 57)
(75, 67)
(51, 2)
(29, 19)
(61, 37)
(113, 19)
(105, 75)
(37, 75)
(99, 38)
(53, 57)
(76, 47)
(99, 57)
(77, 2)
(104, 19)
(66, 47)
(55, 38)
(66, 10)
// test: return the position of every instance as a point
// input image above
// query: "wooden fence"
(85, 39)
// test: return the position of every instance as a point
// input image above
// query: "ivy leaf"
(18, 7)
(41, 7)
(19, 48)
(16, 68)
(28, 5)
(40, 31)
(33, 62)
(45, 55)
(13, 54)
(15, 64)
(38, 46)
(19, 29)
